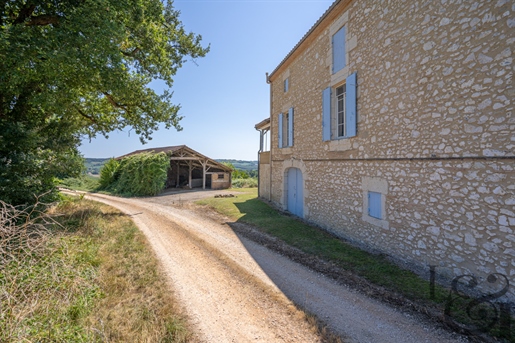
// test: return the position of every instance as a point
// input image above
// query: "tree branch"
(115, 103)
(90, 118)
(43, 20)
(24, 14)
(132, 53)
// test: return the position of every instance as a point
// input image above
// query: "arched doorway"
(295, 192)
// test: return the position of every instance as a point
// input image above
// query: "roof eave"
(319, 25)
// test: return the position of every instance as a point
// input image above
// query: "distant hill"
(241, 164)
(93, 165)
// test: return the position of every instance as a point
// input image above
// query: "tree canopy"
(74, 68)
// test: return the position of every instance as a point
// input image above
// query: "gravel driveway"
(235, 290)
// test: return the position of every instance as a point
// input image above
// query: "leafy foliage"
(247, 166)
(245, 183)
(81, 68)
(108, 172)
(141, 174)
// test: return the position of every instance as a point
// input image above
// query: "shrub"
(108, 173)
(141, 174)
(245, 183)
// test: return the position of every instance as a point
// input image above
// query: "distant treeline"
(241, 164)
(93, 165)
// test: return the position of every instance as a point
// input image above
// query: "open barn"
(191, 169)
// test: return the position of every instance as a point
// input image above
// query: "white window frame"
(338, 114)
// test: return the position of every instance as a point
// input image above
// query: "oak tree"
(75, 68)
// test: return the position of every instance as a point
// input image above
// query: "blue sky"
(224, 94)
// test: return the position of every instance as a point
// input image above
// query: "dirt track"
(235, 290)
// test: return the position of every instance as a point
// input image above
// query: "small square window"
(221, 176)
(375, 205)
(286, 84)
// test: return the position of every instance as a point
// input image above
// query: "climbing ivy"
(141, 174)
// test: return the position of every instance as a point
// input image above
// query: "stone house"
(392, 126)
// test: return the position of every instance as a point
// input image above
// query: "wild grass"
(92, 278)
(85, 183)
(377, 269)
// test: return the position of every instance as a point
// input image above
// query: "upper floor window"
(339, 107)
(286, 84)
(338, 42)
(286, 129)
(340, 111)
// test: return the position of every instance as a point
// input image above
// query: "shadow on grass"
(371, 274)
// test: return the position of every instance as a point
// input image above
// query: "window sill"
(340, 144)
(286, 150)
(376, 222)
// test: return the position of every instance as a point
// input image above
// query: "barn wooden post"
(204, 174)
(178, 174)
(189, 167)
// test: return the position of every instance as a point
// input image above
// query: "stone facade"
(435, 132)
(220, 180)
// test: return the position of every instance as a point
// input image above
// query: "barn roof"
(182, 153)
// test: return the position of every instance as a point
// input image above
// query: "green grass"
(94, 279)
(247, 208)
(86, 183)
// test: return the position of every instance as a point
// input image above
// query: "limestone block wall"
(435, 125)
(458, 214)
(264, 181)
(220, 180)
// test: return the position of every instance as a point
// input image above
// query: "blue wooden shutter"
(280, 136)
(339, 50)
(326, 114)
(290, 126)
(374, 205)
(351, 106)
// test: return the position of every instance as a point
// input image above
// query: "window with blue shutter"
(339, 50)
(339, 110)
(280, 130)
(374, 205)
(290, 126)
(326, 114)
(351, 105)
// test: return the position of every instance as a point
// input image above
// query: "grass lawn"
(93, 278)
(247, 208)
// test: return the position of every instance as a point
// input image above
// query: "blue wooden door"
(295, 202)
